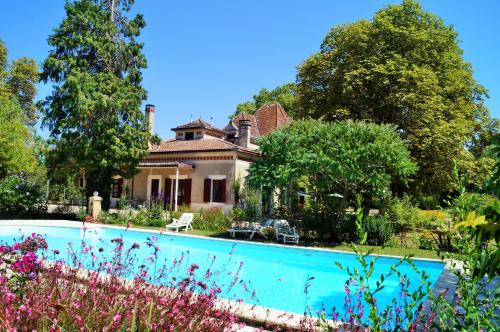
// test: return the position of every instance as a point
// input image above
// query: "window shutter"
(187, 191)
(206, 190)
(168, 190)
(223, 191)
(120, 187)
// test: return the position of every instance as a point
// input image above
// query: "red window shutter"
(120, 187)
(187, 191)
(168, 190)
(223, 191)
(206, 190)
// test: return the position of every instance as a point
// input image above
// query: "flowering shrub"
(18, 263)
(20, 196)
(63, 296)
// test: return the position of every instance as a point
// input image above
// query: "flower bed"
(38, 295)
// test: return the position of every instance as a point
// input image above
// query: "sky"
(205, 57)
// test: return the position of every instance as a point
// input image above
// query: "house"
(199, 165)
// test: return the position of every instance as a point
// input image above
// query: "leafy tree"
(94, 110)
(17, 90)
(285, 94)
(18, 80)
(403, 67)
(335, 158)
(16, 154)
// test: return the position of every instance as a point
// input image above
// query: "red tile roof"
(151, 162)
(207, 144)
(265, 120)
(198, 124)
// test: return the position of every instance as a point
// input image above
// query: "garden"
(391, 151)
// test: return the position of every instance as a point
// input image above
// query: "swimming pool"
(278, 274)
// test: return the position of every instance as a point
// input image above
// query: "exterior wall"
(205, 165)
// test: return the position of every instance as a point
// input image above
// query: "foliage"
(403, 216)
(61, 296)
(16, 154)
(403, 67)
(468, 202)
(21, 196)
(18, 82)
(361, 292)
(65, 192)
(94, 111)
(343, 157)
(212, 219)
(478, 297)
(378, 230)
(285, 95)
(493, 183)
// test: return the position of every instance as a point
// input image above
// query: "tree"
(17, 90)
(403, 67)
(94, 110)
(16, 154)
(344, 158)
(284, 94)
(18, 80)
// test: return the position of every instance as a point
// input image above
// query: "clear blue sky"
(204, 57)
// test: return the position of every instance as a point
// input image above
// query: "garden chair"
(283, 231)
(183, 222)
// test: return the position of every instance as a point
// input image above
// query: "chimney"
(244, 133)
(150, 117)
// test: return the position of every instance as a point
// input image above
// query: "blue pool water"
(277, 274)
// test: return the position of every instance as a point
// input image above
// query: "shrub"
(378, 229)
(212, 219)
(468, 202)
(403, 216)
(20, 196)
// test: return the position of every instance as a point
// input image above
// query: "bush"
(403, 216)
(20, 196)
(378, 229)
(211, 220)
(468, 202)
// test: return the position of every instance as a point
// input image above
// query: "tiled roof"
(254, 130)
(197, 124)
(270, 117)
(266, 119)
(207, 144)
(152, 162)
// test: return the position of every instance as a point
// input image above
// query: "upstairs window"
(189, 136)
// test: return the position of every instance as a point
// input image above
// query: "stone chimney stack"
(150, 118)
(244, 133)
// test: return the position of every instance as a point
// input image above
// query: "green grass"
(393, 250)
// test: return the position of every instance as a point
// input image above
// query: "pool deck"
(250, 314)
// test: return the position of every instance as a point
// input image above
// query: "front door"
(155, 189)
(183, 193)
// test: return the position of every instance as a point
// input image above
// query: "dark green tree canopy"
(340, 157)
(403, 67)
(285, 94)
(94, 110)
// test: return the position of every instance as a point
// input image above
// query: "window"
(214, 191)
(188, 136)
(82, 182)
(217, 188)
(117, 189)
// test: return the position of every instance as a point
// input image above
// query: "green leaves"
(94, 110)
(403, 67)
(344, 157)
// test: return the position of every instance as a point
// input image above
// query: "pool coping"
(253, 314)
